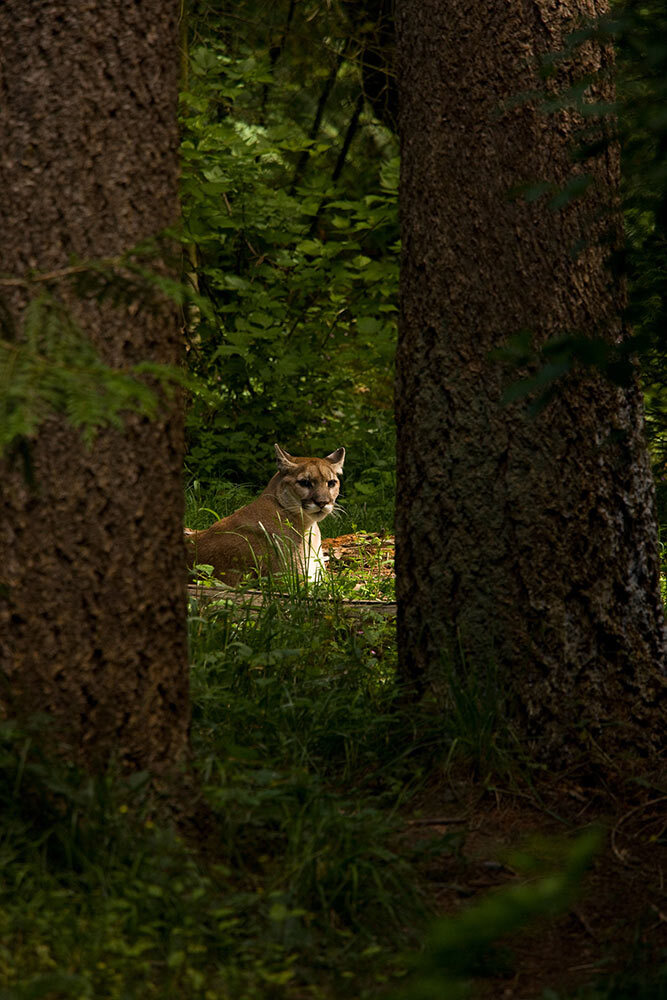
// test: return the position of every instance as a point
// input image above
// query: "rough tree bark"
(92, 595)
(530, 544)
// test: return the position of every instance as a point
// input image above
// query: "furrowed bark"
(92, 602)
(528, 544)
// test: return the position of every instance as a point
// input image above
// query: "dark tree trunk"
(529, 544)
(92, 597)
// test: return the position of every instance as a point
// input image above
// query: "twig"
(585, 924)
(253, 600)
(342, 156)
(319, 113)
(623, 856)
(63, 272)
(437, 821)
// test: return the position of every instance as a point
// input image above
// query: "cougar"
(279, 528)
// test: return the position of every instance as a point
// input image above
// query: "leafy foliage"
(292, 238)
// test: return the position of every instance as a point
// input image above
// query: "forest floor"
(363, 563)
(616, 930)
(618, 925)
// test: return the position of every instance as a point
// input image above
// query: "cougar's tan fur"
(280, 527)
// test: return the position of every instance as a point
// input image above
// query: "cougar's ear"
(283, 459)
(336, 459)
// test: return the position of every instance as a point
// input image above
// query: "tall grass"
(300, 883)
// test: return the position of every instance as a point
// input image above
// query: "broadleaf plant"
(289, 199)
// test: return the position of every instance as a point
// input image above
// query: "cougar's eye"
(306, 483)
(332, 483)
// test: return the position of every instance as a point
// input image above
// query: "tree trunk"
(92, 581)
(529, 545)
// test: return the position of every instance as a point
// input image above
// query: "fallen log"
(252, 600)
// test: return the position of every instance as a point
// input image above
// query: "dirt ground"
(620, 916)
(371, 554)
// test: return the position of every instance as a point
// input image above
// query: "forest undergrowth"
(336, 841)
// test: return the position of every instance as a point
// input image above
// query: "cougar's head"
(309, 485)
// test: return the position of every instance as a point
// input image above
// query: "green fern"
(55, 369)
(51, 367)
